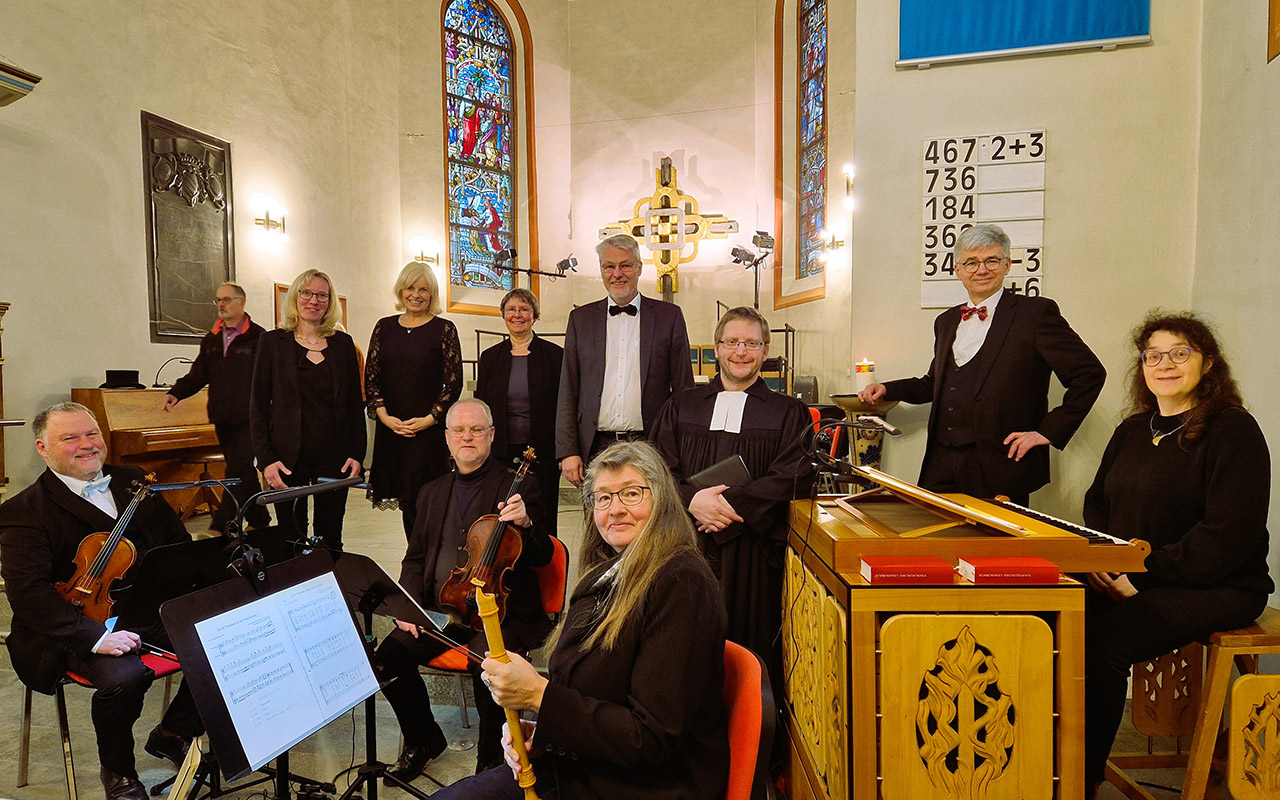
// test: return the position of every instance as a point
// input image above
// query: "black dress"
(412, 372)
(1202, 505)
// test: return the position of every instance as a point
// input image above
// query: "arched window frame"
(523, 173)
(791, 287)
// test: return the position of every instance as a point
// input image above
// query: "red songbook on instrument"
(907, 570)
(1008, 569)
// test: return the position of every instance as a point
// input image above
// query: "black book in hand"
(732, 471)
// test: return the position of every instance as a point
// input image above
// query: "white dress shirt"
(103, 500)
(972, 332)
(620, 396)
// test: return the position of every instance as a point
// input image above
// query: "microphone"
(293, 493)
(881, 423)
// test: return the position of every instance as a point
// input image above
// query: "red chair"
(553, 585)
(748, 700)
(162, 666)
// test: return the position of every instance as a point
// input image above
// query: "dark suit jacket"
(646, 718)
(664, 364)
(525, 624)
(40, 529)
(545, 359)
(229, 377)
(275, 419)
(1028, 340)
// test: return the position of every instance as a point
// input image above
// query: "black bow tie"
(627, 309)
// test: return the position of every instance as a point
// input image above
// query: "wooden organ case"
(139, 432)
(905, 692)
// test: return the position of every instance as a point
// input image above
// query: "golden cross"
(666, 224)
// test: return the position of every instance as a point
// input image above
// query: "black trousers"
(121, 684)
(330, 507)
(1139, 628)
(237, 447)
(958, 469)
(398, 659)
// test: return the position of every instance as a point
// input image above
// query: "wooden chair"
(1241, 648)
(161, 666)
(205, 498)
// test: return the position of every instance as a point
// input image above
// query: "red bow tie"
(969, 311)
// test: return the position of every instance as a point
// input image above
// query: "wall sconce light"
(848, 187)
(270, 224)
(269, 235)
(426, 249)
(831, 240)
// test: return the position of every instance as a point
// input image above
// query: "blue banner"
(936, 28)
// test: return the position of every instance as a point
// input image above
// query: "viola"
(101, 559)
(492, 548)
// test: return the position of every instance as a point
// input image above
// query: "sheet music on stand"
(269, 671)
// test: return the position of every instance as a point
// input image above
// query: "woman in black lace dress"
(413, 373)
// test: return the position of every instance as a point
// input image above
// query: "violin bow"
(498, 652)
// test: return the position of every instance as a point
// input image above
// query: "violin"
(102, 558)
(492, 548)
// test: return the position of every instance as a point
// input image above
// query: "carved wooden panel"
(1166, 692)
(835, 647)
(1253, 753)
(967, 707)
(190, 236)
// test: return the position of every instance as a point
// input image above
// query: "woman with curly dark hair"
(1189, 472)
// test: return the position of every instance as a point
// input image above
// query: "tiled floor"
(329, 753)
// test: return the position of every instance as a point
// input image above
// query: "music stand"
(270, 661)
(166, 572)
(369, 590)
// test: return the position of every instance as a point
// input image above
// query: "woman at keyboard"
(1189, 472)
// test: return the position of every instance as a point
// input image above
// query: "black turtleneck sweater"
(1202, 504)
(454, 542)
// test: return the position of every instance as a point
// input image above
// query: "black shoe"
(170, 746)
(122, 787)
(413, 759)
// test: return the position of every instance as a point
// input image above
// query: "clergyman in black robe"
(744, 528)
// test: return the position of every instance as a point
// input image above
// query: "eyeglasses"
(307, 294)
(1177, 355)
(221, 300)
(734, 344)
(972, 264)
(462, 430)
(626, 267)
(628, 496)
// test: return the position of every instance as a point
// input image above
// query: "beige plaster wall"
(1120, 203)
(301, 90)
(1236, 283)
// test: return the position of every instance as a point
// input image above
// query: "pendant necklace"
(1156, 435)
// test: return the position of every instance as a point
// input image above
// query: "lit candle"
(864, 374)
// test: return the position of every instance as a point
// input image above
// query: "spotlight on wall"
(504, 259)
(569, 264)
(742, 255)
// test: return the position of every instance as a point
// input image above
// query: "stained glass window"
(812, 149)
(480, 127)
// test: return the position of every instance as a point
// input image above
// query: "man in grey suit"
(624, 356)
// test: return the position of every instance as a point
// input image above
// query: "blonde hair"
(411, 274)
(332, 315)
(668, 533)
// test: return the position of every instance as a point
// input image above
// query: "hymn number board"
(967, 180)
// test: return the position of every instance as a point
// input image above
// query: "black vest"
(955, 404)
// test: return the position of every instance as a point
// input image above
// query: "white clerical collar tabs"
(727, 414)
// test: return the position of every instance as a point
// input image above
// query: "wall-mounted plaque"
(190, 238)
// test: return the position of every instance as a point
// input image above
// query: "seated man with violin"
(41, 531)
(448, 539)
